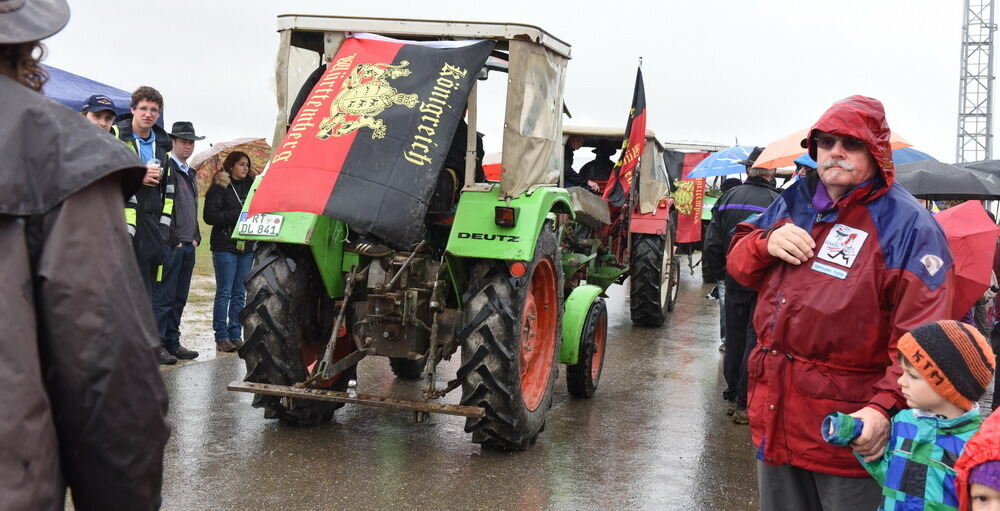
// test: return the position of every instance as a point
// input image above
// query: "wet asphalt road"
(654, 437)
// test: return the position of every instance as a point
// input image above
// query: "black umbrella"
(935, 180)
(987, 166)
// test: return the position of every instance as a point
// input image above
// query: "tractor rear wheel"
(288, 319)
(510, 346)
(650, 281)
(583, 376)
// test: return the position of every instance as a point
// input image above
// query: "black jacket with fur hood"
(223, 204)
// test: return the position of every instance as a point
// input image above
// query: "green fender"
(324, 236)
(476, 234)
(297, 228)
(577, 305)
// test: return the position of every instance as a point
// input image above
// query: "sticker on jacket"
(842, 245)
(829, 270)
(932, 263)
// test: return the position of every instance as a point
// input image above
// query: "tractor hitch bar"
(475, 412)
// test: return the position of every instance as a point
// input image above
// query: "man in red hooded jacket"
(844, 262)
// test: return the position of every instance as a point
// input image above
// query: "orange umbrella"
(209, 161)
(782, 152)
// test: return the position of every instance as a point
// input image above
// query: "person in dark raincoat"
(844, 262)
(600, 168)
(732, 208)
(83, 400)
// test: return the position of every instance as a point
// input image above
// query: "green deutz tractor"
(507, 282)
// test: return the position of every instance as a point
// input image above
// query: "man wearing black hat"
(570, 176)
(735, 206)
(171, 291)
(84, 405)
(99, 110)
(599, 169)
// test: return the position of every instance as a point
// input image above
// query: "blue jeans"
(171, 292)
(230, 294)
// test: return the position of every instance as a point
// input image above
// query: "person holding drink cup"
(153, 171)
(149, 212)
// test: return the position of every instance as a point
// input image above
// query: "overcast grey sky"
(715, 70)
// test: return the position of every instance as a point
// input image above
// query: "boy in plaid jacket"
(947, 366)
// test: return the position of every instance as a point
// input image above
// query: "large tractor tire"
(510, 346)
(651, 285)
(583, 376)
(288, 319)
(407, 369)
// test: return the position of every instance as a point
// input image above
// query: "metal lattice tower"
(975, 91)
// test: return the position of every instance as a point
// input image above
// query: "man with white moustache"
(844, 262)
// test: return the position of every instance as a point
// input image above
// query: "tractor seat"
(590, 209)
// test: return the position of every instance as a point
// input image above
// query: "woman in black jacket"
(231, 258)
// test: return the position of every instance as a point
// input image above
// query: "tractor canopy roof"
(599, 133)
(654, 181)
(421, 29)
(533, 60)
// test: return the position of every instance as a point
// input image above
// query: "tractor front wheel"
(583, 376)
(510, 346)
(288, 319)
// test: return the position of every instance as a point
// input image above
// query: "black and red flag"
(620, 185)
(369, 141)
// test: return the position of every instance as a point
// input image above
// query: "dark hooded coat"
(735, 206)
(83, 401)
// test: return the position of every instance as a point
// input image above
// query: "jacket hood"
(50, 151)
(982, 447)
(862, 118)
(221, 178)
(761, 181)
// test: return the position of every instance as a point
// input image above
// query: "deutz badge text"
(489, 237)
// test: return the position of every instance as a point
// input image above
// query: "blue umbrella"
(806, 160)
(910, 155)
(722, 163)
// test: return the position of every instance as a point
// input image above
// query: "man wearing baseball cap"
(100, 110)
(84, 405)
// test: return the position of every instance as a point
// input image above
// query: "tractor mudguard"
(576, 306)
(656, 222)
(476, 234)
(324, 236)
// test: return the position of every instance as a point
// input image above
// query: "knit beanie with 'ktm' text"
(954, 359)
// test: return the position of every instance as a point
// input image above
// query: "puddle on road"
(196, 322)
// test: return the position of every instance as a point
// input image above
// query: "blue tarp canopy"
(73, 90)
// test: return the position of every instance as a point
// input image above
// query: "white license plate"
(261, 225)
